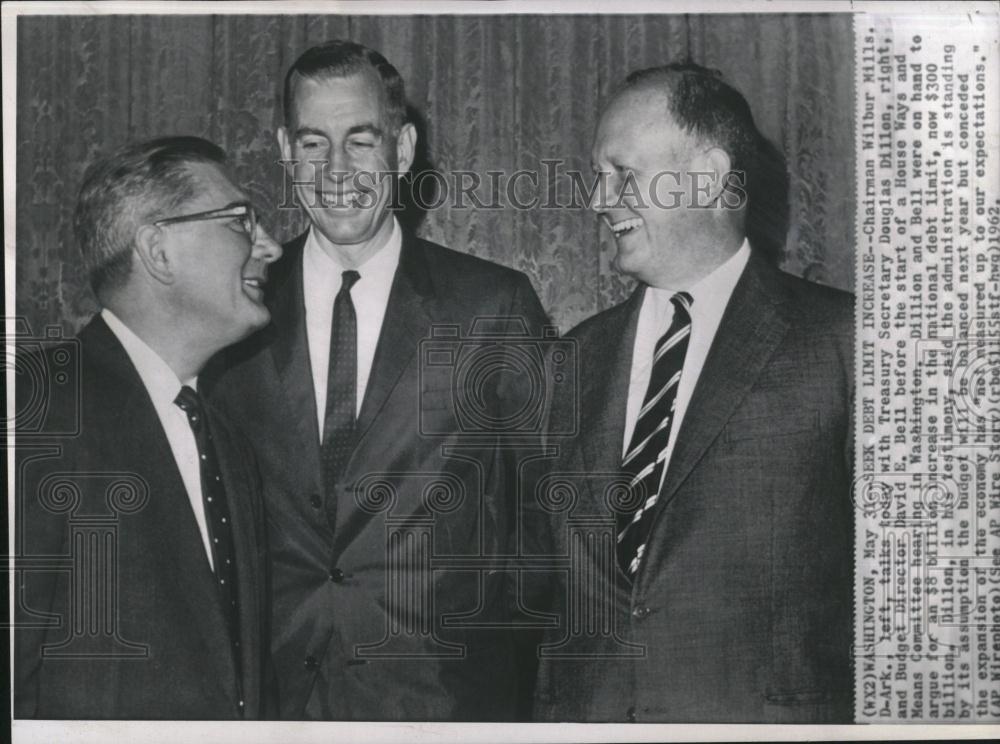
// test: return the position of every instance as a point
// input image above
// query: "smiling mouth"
(624, 227)
(349, 200)
(255, 284)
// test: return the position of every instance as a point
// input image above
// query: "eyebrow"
(359, 129)
(302, 131)
(234, 205)
(365, 129)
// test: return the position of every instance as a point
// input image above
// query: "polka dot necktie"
(341, 393)
(220, 531)
(647, 450)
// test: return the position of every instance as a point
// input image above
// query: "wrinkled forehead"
(361, 89)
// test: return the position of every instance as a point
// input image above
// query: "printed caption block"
(927, 489)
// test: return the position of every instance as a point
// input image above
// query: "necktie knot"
(189, 401)
(348, 278)
(682, 301)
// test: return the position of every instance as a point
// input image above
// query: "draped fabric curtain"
(491, 93)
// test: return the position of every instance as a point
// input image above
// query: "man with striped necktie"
(714, 432)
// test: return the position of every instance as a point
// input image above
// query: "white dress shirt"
(163, 386)
(321, 280)
(711, 295)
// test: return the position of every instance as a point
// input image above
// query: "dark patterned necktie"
(341, 386)
(220, 530)
(647, 448)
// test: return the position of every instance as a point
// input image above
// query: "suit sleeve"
(525, 303)
(519, 388)
(524, 310)
(269, 678)
(40, 537)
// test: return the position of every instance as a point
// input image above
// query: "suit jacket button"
(630, 714)
(311, 664)
(336, 576)
(640, 613)
(316, 501)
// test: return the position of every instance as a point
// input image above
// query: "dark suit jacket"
(741, 610)
(166, 653)
(363, 628)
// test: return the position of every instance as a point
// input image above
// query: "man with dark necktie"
(714, 438)
(152, 495)
(358, 437)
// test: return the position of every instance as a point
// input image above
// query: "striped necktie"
(647, 450)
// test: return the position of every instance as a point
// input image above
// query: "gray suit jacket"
(363, 628)
(741, 610)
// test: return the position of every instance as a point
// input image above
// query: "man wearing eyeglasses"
(163, 616)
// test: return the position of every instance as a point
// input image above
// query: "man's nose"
(339, 166)
(266, 248)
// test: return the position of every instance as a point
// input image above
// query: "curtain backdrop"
(492, 93)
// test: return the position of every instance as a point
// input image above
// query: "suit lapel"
(249, 583)
(751, 329)
(175, 548)
(290, 351)
(604, 394)
(407, 321)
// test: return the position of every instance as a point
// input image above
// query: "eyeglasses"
(243, 211)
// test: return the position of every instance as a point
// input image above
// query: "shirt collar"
(718, 285)
(158, 378)
(714, 289)
(379, 269)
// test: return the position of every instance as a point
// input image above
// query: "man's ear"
(285, 146)
(406, 147)
(718, 163)
(151, 250)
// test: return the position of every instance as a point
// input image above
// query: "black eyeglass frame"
(236, 209)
